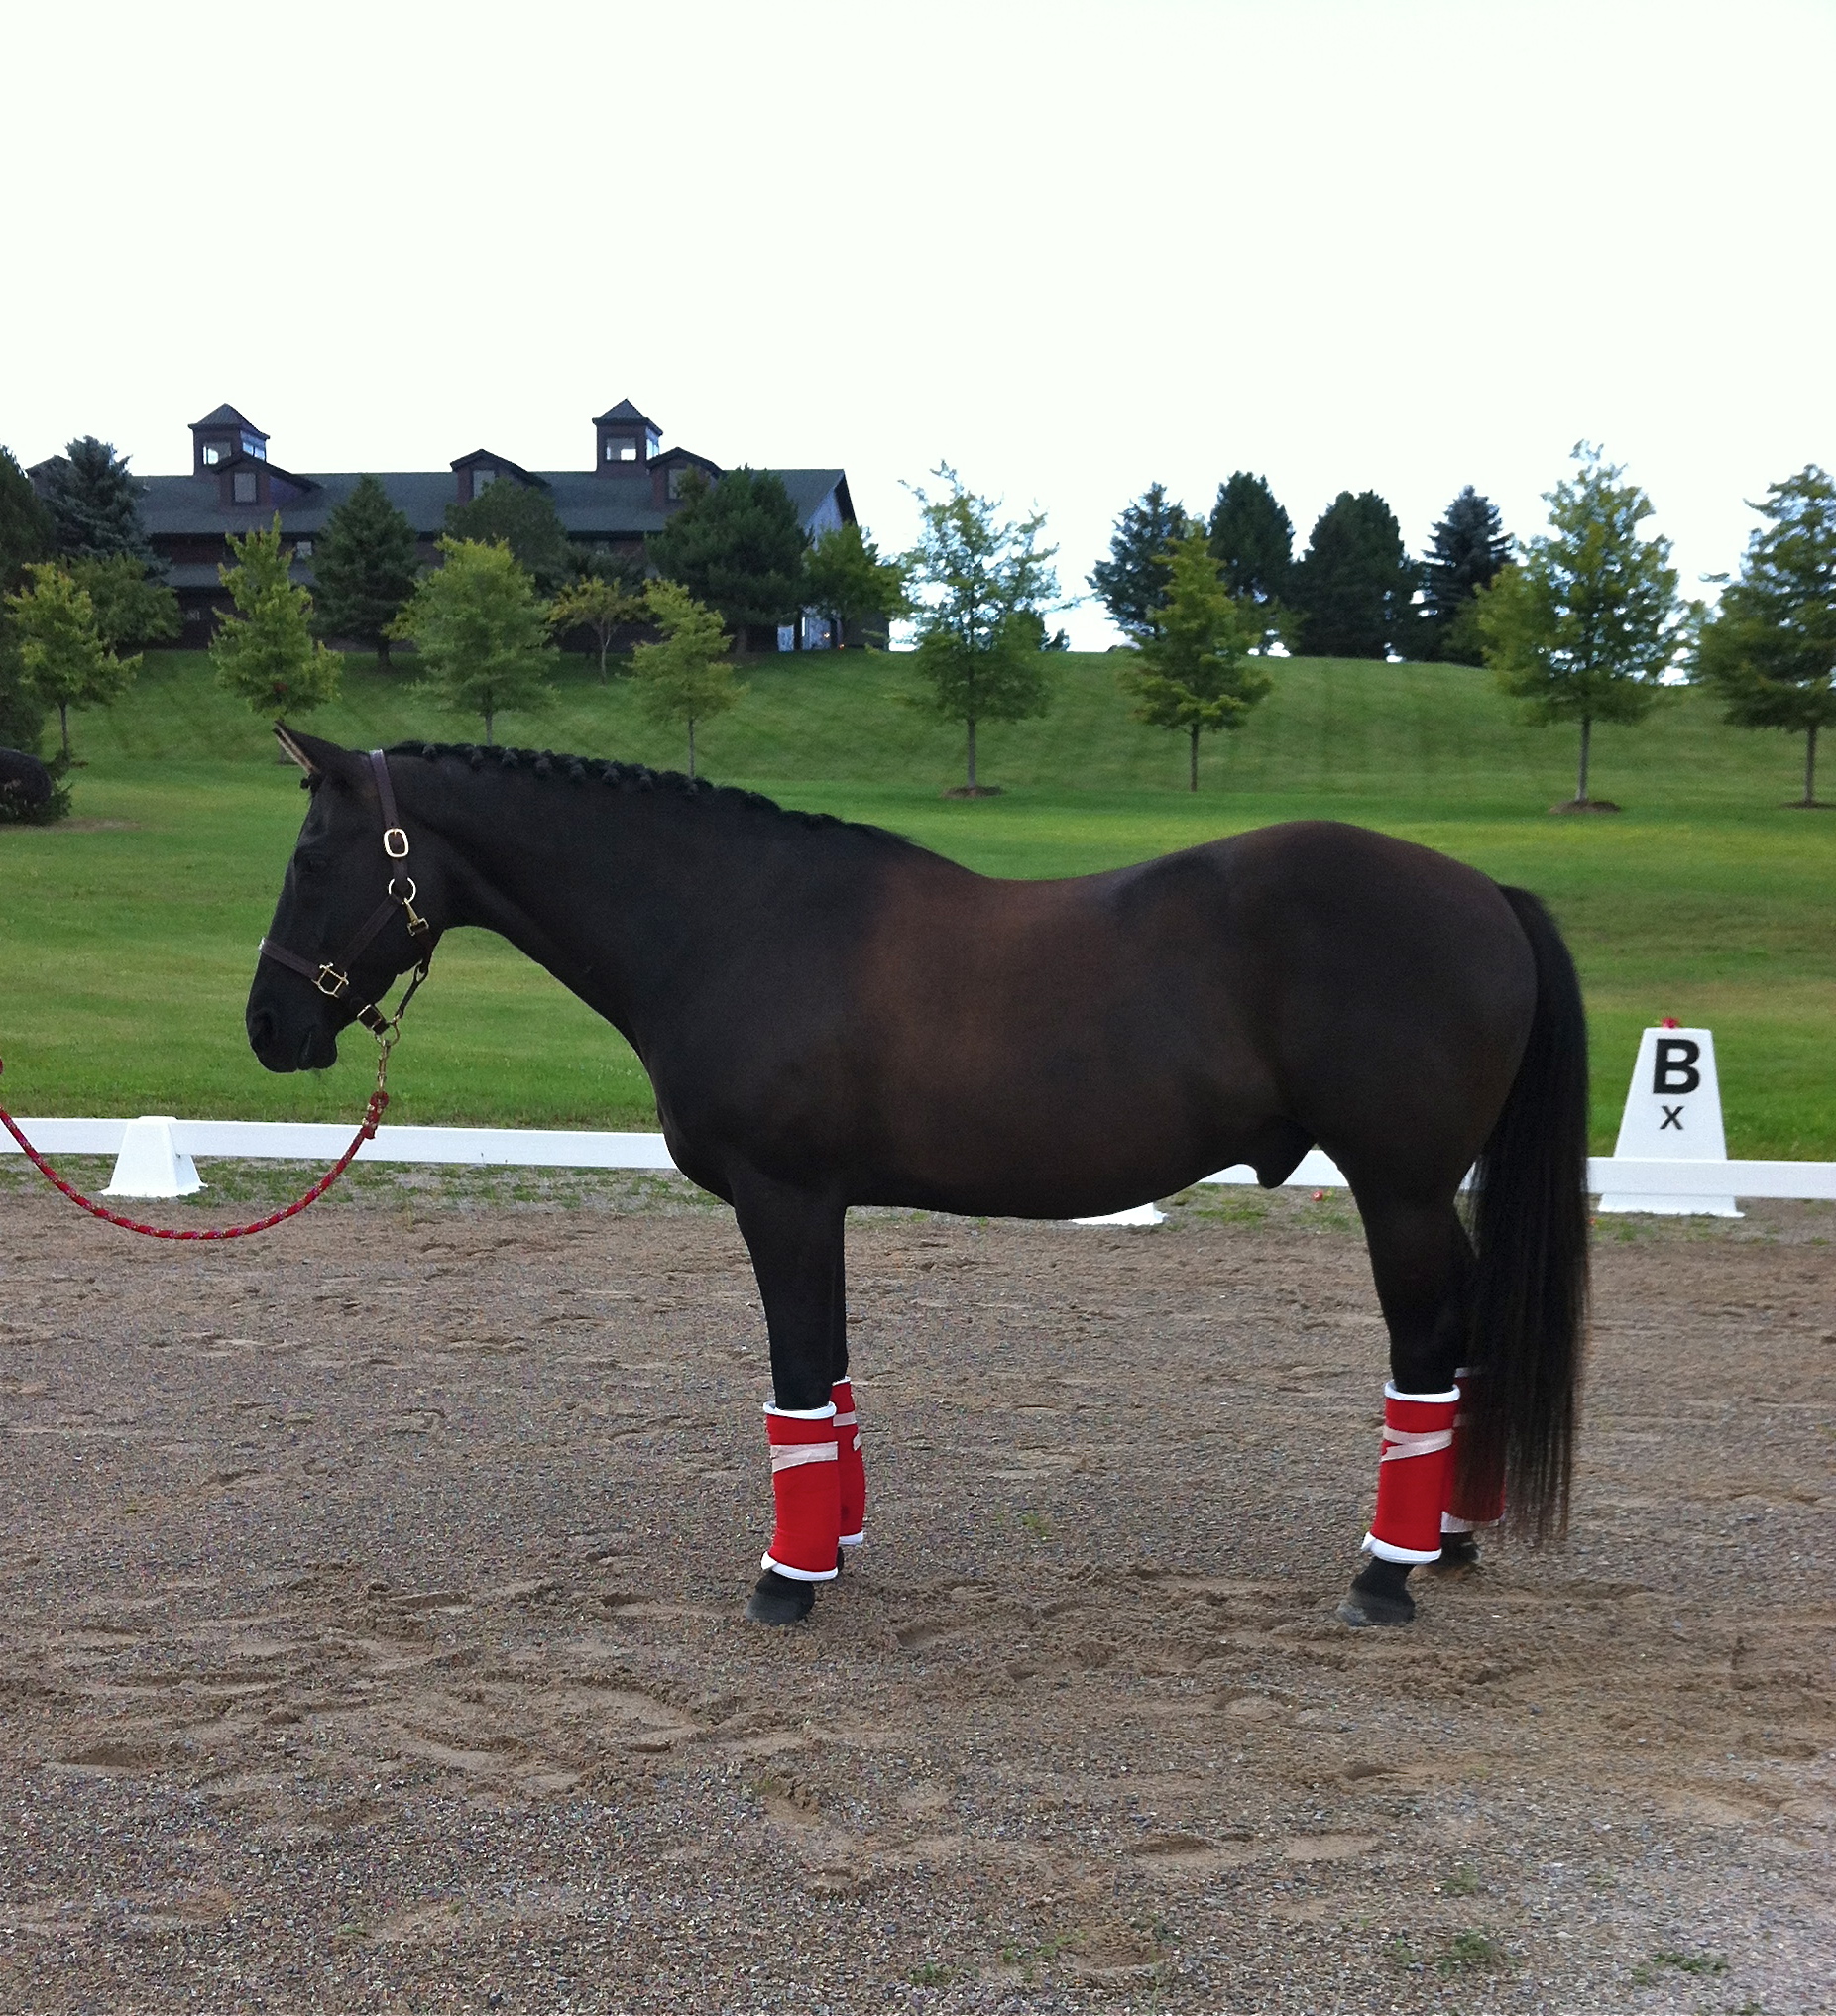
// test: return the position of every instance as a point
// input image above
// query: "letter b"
(1677, 1064)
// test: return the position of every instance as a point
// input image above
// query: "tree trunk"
(1810, 766)
(972, 751)
(604, 644)
(381, 654)
(64, 718)
(1587, 736)
(1195, 768)
(691, 745)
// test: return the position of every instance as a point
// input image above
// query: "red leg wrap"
(1412, 1475)
(803, 1486)
(1486, 1506)
(851, 1471)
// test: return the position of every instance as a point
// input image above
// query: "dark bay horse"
(831, 1015)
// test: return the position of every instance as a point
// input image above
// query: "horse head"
(344, 929)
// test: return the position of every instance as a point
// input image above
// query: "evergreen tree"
(1587, 624)
(1195, 672)
(1252, 538)
(482, 634)
(522, 516)
(131, 608)
(266, 653)
(1770, 653)
(1468, 547)
(688, 677)
(737, 545)
(94, 502)
(980, 589)
(1353, 588)
(597, 606)
(1132, 582)
(363, 566)
(25, 535)
(64, 659)
(25, 524)
(845, 580)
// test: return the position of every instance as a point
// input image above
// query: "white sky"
(1070, 248)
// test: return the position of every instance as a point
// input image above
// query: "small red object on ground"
(1320, 1197)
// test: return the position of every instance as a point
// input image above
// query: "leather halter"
(332, 977)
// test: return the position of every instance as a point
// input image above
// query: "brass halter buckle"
(330, 982)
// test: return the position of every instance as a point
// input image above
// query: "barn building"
(632, 488)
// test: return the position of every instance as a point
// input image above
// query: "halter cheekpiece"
(332, 977)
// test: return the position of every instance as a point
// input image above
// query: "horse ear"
(316, 758)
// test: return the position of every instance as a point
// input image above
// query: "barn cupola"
(625, 441)
(219, 435)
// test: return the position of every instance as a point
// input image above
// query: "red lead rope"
(373, 1113)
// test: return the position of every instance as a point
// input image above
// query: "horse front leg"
(795, 1239)
(1422, 1262)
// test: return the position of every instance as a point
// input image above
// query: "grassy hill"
(127, 936)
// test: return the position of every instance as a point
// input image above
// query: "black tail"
(1530, 1231)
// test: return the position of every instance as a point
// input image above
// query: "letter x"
(1672, 1117)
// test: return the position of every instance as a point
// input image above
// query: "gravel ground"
(372, 1632)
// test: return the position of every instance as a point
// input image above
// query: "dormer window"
(482, 480)
(244, 489)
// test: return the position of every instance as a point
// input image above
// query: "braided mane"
(617, 776)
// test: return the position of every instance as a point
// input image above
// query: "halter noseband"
(333, 977)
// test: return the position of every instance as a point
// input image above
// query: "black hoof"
(1457, 1550)
(1379, 1596)
(777, 1600)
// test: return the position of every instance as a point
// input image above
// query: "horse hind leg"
(1422, 1264)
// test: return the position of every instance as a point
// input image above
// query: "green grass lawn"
(127, 936)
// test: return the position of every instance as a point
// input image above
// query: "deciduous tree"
(482, 634)
(520, 516)
(1769, 651)
(131, 608)
(1586, 624)
(62, 655)
(737, 545)
(94, 502)
(846, 580)
(980, 586)
(1467, 548)
(1132, 582)
(364, 565)
(1195, 672)
(1355, 585)
(266, 652)
(599, 607)
(687, 678)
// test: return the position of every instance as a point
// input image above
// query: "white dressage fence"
(150, 1147)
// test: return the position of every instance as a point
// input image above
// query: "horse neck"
(614, 892)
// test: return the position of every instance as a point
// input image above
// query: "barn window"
(244, 482)
(302, 549)
(482, 480)
(212, 456)
(621, 448)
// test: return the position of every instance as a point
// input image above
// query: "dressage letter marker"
(1673, 1113)
(150, 1165)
